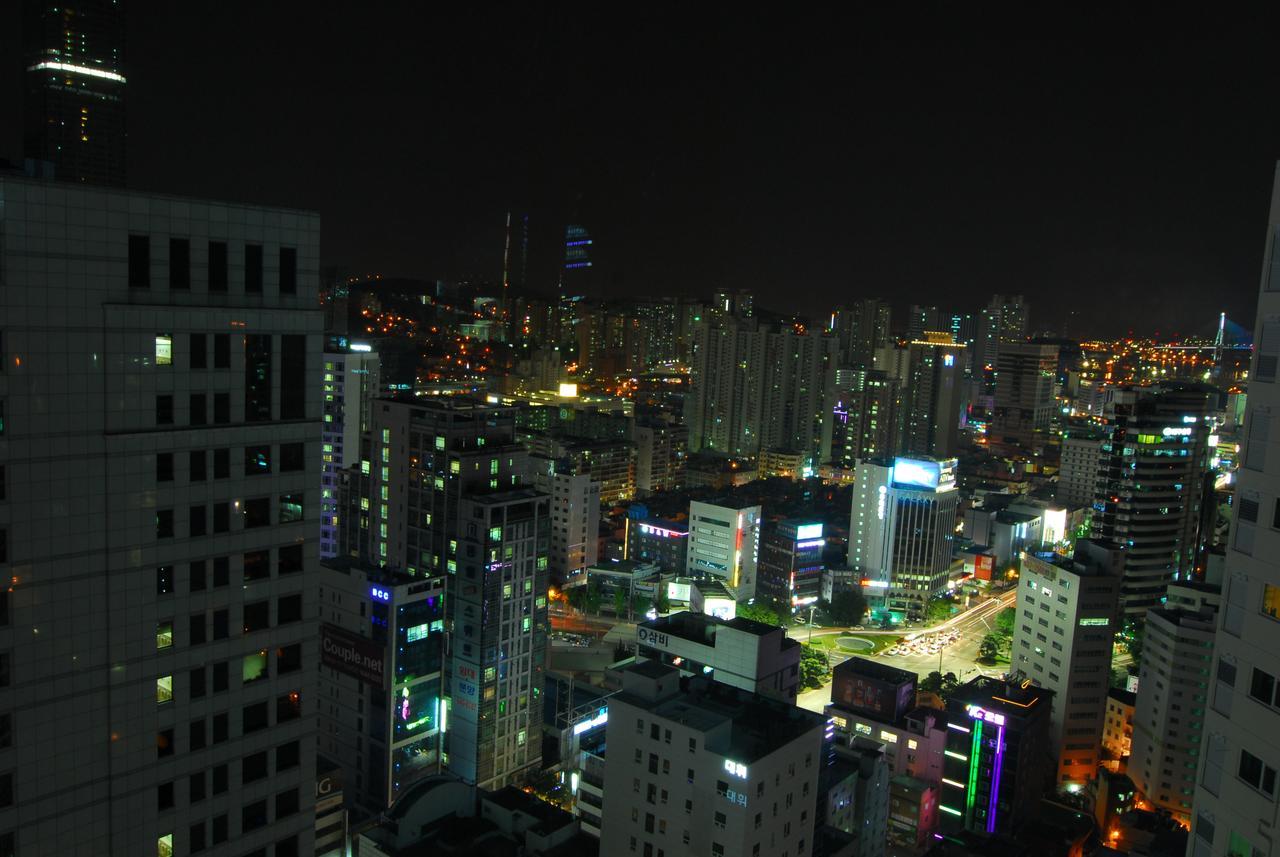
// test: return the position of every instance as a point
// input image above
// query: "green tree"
(932, 682)
(640, 606)
(847, 607)
(814, 667)
(949, 684)
(989, 648)
(619, 601)
(1004, 622)
(661, 602)
(940, 610)
(760, 613)
(591, 601)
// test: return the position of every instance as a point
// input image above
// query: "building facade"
(160, 463)
(790, 568)
(724, 543)
(1024, 405)
(350, 386)
(1067, 619)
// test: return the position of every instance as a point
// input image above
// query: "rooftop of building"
(1189, 620)
(514, 495)
(874, 670)
(668, 524)
(373, 574)
(625, 567)
(727, 502)
(549, 818)
(702, 627)
(1126, 697)
(756, 725)
(13, 177)
(1010, 698)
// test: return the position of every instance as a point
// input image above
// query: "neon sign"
(736, 768)
(979, 713)
(380, 594)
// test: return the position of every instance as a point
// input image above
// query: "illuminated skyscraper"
(934, 397)
(75, 88)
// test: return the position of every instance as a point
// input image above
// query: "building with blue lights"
(381, 676)
(790, 567)
(998, 761)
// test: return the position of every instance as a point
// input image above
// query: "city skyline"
(813, 172)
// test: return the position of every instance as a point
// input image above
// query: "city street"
(959, 657)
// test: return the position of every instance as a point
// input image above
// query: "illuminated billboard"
(921, 473)
(809, 531)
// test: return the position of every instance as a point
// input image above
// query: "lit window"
(1271, 600)
(164, 635)
(439, 442)
(386, 435)
(164, 846)
(454, 466)
(164, 689)
(495, 534)
(164, 349)
(254, 667)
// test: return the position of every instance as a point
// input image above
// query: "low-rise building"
(658, 540)
(854, 790)
(913, 814)
(737, 652)
(1117, 729)
(790, 567)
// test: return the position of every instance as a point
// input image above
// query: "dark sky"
(1117, 165)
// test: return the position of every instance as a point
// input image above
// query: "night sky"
(1119, 166)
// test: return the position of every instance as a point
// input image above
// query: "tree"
(940, 609)
(661, 602)
(640, 606)
(1004, 622)
(592, 599)
(760, 613)
(989, 648)
(847, 607)
(814, 667)
(949, 684)
(619, 601)
(932, 683)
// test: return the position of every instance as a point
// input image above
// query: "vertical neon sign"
(995, 781)
(975, 758)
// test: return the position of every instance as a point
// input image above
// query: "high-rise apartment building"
(922, 320)
(754, 389)
(934, 397)
(662, 456)
(75, 88)
(160, 464)
(861, 329)
(724, 543)
(1150, 486)
(696, 767)
(866, 418)
(1173, 695)
(1241, 754)
(902, 531)
(350, 386)
(1067, 618)
(1025, 375)
(997, 759)
(1005, 319)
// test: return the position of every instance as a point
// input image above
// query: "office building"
(160, 464)
(739, 652)
(657, 540)
(902, 531)
(998, 761)
(575, 517)
(662, 456)
(1066, 623)
(350, 386)
(1024, 406)
(1078, 465)
(381, 680)
(724, 543)
(1173, 695)
(1150, 487)
(790, 568)
(934, 397)
(698, 767)
(75, 89)
(609, 462)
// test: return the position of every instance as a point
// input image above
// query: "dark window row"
(257, 460)
(180, 266)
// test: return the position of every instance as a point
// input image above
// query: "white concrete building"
(1168, 716)
(1078, 466)
(724, 542)
(1068, 614)
(159, 508)
(706, 769)
(575, 517)
(737, 652)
